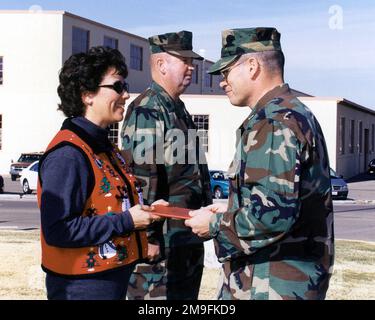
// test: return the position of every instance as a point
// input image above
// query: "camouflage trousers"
(264, 281)
(176, 278)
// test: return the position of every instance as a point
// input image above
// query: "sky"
(329, 44)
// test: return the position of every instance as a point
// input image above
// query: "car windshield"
(333, 173)
(28, 158)
(35, 167)
(219, 175)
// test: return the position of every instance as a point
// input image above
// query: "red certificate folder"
(171, 212)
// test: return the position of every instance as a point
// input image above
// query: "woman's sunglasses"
(118, 86)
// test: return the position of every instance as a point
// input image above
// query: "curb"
(364, 201)
(353, 201)
(17, 197)
(344, 201)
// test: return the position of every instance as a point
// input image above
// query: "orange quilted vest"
(110, 195)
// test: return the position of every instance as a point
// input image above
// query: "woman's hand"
(142, 216)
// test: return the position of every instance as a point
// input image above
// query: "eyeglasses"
(118, 86)
(225, 72)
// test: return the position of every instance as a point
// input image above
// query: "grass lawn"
(22, 278)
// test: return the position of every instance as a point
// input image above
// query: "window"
(195, 77)
(208, 80)
(1, 131)
(81, 40)
(1, 70)
(113, 133)
(342, 136)
(372, 138)
(110, 42)
(360, 136)
(202, 124)
(352, 133)
(136, 57)
(35, 167)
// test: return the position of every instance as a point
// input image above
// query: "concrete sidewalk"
(361, 189)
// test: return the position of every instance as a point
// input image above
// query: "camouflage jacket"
(169, 171)
(280, 206)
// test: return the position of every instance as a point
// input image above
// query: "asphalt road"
(19, 214)
(354, 222)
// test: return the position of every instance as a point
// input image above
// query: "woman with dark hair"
(92, 222)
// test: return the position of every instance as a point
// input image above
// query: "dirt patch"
(22, 278)
(20, 274)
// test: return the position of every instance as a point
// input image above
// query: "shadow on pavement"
(13, 193)
(361, 177)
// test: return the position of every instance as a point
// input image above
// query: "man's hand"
(151, 208)
(160, 202)
(199, 223)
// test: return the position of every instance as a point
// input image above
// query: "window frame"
(342, 135)
(136, 62)
(87, 41)
(352, 136)
(360, 137)
(1, 132)
(206, 119)
(208, 80)
(195, 75)
(116, 42)
(113, 133)
(1, 70)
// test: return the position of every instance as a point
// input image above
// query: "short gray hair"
(273, 61)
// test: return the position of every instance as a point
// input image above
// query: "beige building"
(349, 130)
(33, 47)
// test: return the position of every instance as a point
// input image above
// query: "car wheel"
(13, 177)
(218, 193)
(25, 187)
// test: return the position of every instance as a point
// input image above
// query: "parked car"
(219, 184)
(29, 178)
(371, 166)
(339, 186)
(24, 161)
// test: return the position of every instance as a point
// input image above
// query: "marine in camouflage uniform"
(148, 127)
(276, 238)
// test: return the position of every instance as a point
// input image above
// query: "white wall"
(31, 46)
(224, 120)
(325, 112)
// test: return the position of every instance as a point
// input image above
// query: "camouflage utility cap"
(237, 42)
(175, 43)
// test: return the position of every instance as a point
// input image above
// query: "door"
(366, 149)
